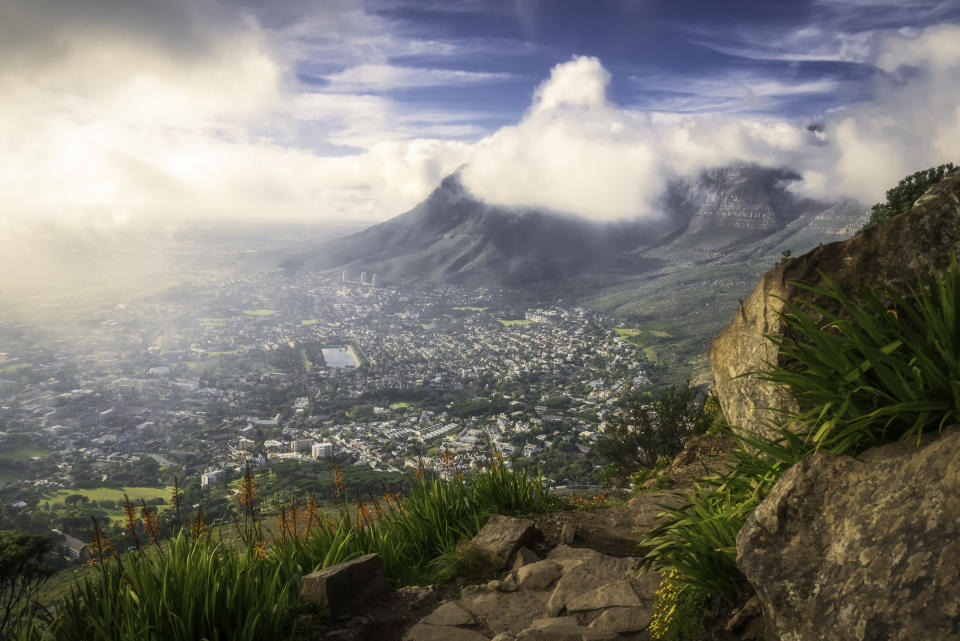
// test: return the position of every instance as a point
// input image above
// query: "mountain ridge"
(454, 237)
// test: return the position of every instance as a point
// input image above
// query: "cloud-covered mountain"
(454, 237)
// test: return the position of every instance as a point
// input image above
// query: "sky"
(125, 113)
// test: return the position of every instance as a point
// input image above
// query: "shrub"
(679, 610)
(649, 431)
(907, 191)
(880, 370)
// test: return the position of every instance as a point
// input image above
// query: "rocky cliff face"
(891, 253)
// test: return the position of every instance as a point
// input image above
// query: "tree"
(902, 197)
(22, 573)
(650, 430)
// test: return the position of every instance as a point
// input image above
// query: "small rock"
(344, 586)
(427, 632)
(539, 575)
(524, 556)
(417, 595)
(504, 636)
(450, 613)
(568, 533)
(623, 620)
(502, 536)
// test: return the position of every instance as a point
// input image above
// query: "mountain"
(454, 237)
(677, 279)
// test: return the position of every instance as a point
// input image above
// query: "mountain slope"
(453, 237)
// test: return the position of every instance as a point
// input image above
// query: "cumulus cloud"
(575, 151)
(115, 112)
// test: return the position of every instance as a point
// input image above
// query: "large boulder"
(891, 253)
(861, 549)
(343, 587)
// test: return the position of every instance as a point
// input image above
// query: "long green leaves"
(875, 371)
(198, 587)
(884, 366)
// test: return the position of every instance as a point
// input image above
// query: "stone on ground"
(502, 536)
(343, 587)
(450, 613)
(427, 632)
(539, 575)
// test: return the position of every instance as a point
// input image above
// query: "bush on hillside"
(902, 197)
(877, 371)
(650, 430)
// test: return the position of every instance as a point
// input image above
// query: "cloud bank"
(115, 112)
(577, 152)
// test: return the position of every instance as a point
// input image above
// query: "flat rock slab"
(451, 613)
(427, 632)
(503, 536)
(341, 588)
(610, 595)
(564, 629)
(594, 572)
(510, 612)
(860, 549)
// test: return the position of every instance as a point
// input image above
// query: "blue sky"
(145, 112)
(791, 59)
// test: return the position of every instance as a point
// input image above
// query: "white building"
(301, 445)
(211, 477)
(322, 450)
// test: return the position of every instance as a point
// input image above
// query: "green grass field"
(21, 454)
(628, 332)
(399, 406)
(312, 321)
(210, 321)
(10, 369)
(512, 323)
(259, 312)
(111, 494)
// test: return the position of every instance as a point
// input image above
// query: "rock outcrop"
(891, 253)
(861, 549)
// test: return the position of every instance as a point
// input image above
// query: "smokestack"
(373, 281)
(363, 278)
(343, 277)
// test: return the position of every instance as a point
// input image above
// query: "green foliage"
(22, 573)
(880, 370)
(649, 431)
(204, 587)
(907, 191)
(679, 610)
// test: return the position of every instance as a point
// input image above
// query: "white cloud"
(576, 152)
(386, 77)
